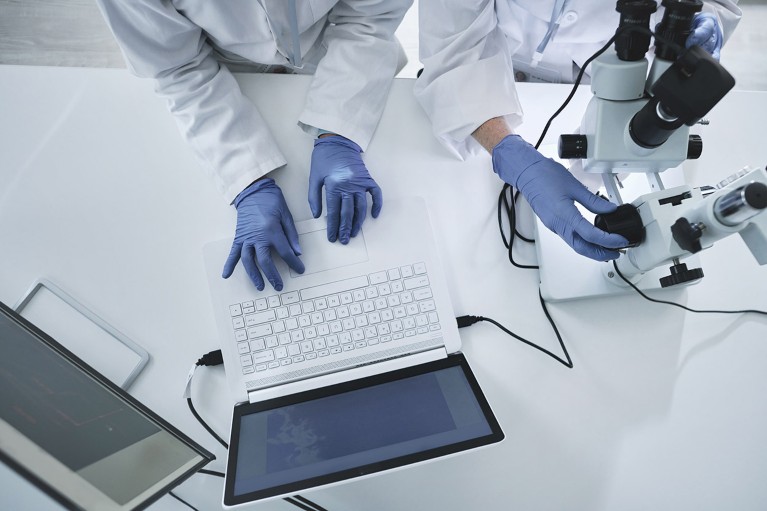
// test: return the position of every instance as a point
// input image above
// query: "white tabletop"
(663, 410)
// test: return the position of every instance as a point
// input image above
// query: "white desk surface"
(663, 410)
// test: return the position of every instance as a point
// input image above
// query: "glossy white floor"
(72, 33)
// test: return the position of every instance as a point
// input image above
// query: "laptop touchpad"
(320, 255)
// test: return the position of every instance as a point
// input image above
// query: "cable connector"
(213, 358)
(468, 320)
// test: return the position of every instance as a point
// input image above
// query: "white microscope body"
(638, 122)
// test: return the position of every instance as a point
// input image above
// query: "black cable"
(303, 501)
(205, 424)
(182, 501)
(627, 281)
(211, 472)
(464, 321)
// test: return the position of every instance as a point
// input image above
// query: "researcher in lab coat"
(473, 52)
(188, 47)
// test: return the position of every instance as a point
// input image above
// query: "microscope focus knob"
(572, 146)
(687, 235)
(680, 274)
(694, 147)
(625, 220)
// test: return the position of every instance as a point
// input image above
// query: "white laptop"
(353, 368)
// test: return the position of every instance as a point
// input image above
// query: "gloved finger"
(377, 194)
(592, 251)
(360, 212)
(264, 257)
(283, 248)
(597, 236)
(232, 260)
(289, 227)
(705, 30)
(315, 196)
(592, 202)
(249, 263)
(347, 216)
(334, 214)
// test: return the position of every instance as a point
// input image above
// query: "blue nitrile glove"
(263, 223)
(551, 190)
(337, 164)
(706, 33)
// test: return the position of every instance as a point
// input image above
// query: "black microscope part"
(625, 220)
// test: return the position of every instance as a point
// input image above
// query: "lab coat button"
(570, 17)
(519, 76)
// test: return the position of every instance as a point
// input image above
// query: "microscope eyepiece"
(675, 27)
(632, 44)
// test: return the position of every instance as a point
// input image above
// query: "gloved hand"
(551, 191)
(706, 33)
(337, 164)
(263, 223)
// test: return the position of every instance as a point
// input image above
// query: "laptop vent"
(346, 363)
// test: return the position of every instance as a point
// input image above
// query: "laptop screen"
(78, 437)
(326, 435)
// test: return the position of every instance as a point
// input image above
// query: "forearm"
(491, 132)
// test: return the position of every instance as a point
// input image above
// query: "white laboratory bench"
(663, 410)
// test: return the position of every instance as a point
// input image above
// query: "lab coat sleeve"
(350, 86)
(728, 13)
(224, 128)
(467, 77)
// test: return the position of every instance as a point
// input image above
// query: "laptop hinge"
(347, 374)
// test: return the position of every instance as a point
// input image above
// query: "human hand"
(552, 191)
(706, 33)
(337, 165)
(263, 223)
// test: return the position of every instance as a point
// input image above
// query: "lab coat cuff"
(244, 180)
(310, 121)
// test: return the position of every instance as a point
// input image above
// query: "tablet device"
(77, 436)
(345, 431)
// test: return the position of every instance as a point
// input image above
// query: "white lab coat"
(348, 45)
(468, 47)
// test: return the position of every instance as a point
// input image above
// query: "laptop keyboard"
(360, 314)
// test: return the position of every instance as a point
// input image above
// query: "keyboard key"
(273, 365)
(396, 326)
(330, 314)
(290, 298)
(282, 312)
(333, 301)
(311, 356)
(372, 342)
(384, 289)
(272, 342)
(361, 320)
(295, 310)
(243, 348)
(344, 337)
(371, 331)
(419, 268)
(409, 333)
(285, 362)
(387, 315)
(374, 318)
(348, 347)
(238, 322)
(418, 281)
(241, 335)
(383, 329)
(264, 356)
(361, 344)
(248, 370)
(397, 336)
(260, 317)
(323, 329)
(248, 304)
(307, 346)
(297, 335)
(298, 358)
(412, 309)
(293, 350)
(409, 322)
(385, 338)
(421, 320)
(332, 340)
(427, 305)
(304, 321)
(381, 303)
(323, 353)
(261, 304)
(318, 317)
(358, 295)
(434, 327)
(343, 312)
(392, 300)
(291, 323)
(320, 304)
(355, 309)
(261, 367)
(399, 312)
(357, 334)
(368, 306)
(422, 293)
(394, 274)
(259, 331)
(378, 277)
(335, 327)
(371, 292)
(273, 301)
(406, 271)
(319, 344)
(433, 317)
(335, 350)
(406, 297)
(346, 298)
(422, 329)
(248, 310)
(397, 286)
(310, 333)
(246, 360)
(280, 352)
(278, 326)
(257, 345)
(235, 310)
(284, 338)
(307, 306)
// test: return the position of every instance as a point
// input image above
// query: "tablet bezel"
(454, 360)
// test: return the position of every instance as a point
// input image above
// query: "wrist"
(255, 186)
(491, 132)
